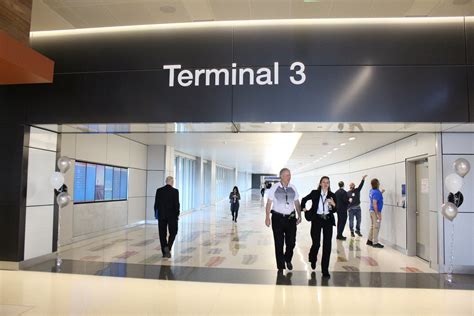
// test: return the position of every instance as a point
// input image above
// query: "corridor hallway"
(208, 241)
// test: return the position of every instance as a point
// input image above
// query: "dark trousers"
(317, 226)
(284, 232)
(234, 208)
(165, 225)
(341, 222)
(354, 212)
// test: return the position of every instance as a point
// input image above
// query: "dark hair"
(375, 183)
(236, 188)
(321, 180)
(341, 184)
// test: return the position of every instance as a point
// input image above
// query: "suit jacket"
(342, 200)
(167, 203)
(314, 196)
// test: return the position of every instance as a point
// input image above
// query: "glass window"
(116, 184)
(99, 183)
(90, 182)
(123, 184)
(80, 182)
(108, 184)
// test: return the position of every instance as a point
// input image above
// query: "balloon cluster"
(454, 183)
(57, 181)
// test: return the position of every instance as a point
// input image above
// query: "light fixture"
(335, 149)
(352, 138)
(343, 144)
(329, 152)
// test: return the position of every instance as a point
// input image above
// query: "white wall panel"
(156, 157)
(42, 139)
(136, 210)
(38, 231)
(458, 143)
(91, 147)
(136, 183)
(88, 218)
(115, 214)
(41, 165)
(138, 155)
(118, 150)
(463, 240)
(68, 145)
(155, 180)
(150, 211)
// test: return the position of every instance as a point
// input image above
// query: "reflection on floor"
(209, 238)
(32, 293)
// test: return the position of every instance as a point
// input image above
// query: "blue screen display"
(90, 182)
(109, 175)
(95, 183)
(116, 184)
(123, 184)
(80, 182)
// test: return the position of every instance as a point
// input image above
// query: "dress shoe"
(326, 275)
(369, 243)
(378, 245)
(341, 238)
(289, 265)
(352, 234)
(358, 233)
(313, 265)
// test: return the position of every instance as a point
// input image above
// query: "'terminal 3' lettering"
(233, 76)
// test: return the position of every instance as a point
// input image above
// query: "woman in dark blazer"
(234, 198)
(321, 216)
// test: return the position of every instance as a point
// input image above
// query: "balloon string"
(451, 263)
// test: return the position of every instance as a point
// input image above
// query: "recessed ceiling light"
(352, 138)
(343, 144)
(335, 149)
(329, 152)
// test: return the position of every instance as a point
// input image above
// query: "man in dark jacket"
(354, 206)
(167, 213)
(342, 203)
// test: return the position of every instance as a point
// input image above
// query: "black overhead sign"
(381, 70)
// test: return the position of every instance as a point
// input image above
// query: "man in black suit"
(342, 203)
(167, 213)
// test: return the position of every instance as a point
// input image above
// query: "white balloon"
(453, 183)
(64, 163)
(462, 166)
(449, 211)
(309, 204)
(63, 199)
(57, 180)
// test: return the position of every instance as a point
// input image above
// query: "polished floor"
(211, 248)
(34, 293)
(209, 238)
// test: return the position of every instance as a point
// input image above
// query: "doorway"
(418, 188)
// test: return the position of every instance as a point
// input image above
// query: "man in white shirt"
(284, 205)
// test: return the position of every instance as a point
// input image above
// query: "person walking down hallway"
(342, 202)
(284, 205)
(167, 213)
(354, 206)
(321, 216)
(234, 198)
(376, 205)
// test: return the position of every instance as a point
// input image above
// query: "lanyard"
(324, 201)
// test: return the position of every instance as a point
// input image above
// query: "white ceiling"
(69, 14)
(267, 147)
(269, 152)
